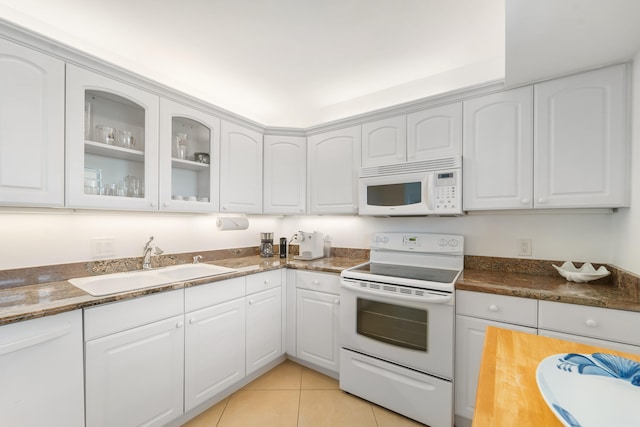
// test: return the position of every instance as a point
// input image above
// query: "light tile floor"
(291, 395)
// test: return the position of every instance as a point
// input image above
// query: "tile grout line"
(223, 409)
(299, 397)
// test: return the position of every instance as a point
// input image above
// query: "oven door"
(414, 333)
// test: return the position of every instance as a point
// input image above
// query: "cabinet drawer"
(213, 293)
(502, 308)
(595, 322)
(323, 282)
(263, 281)
(119, 316)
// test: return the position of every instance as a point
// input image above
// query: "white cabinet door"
(136, 377)
(317, 328)
(470, 334)
(214, 351)
(333, 168)
(582, 146)
(41, 363)
(384, 141)
(285, 174)
(100, 165)
(31, 127)
(435, 133)
(264, 328)
(498, 151)
(187, 184)
(240, 169)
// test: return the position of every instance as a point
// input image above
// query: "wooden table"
(508, 394)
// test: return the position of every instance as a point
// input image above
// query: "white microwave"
(432, 187)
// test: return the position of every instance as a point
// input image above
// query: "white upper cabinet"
(333, 168)
(285, 174)
(384, 141)
(429, 134)
(112, 143)
(189, 159)
(240, 169)
(581, 141)
(31, 127)
(435, 133)
(498, 151)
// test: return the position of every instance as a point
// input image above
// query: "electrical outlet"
(524, 247)
(103, 247)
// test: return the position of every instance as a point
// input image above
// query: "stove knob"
(385, 239)
(442, 242)
(453, 243)
(377, 239)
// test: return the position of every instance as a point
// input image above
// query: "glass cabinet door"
(189, 159)
(112, 143)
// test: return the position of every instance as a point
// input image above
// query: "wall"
(555, 236)
(32, 237)
(627, 221)
(45, 237)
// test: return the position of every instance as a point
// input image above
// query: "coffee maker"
(311, 245)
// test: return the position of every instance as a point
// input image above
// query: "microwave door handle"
(429, 193)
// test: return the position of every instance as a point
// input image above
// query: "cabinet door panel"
(434, 133)
(498, 151)
(264, 328)
(581, 142)
(136, 377)
(240, 169)
(95, 100)
(31, 127)
(318, 328)
(285, 174)
(214, 351)
(187, 177)
(384, 141)
(41, 366)
(333, 168)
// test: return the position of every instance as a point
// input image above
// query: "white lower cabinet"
(134, 370)
(475, 311)
(264, 320)
(41, 371)
(317, 319)
(214, 341)
(602, 327)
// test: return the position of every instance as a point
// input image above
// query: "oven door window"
(409, 193)
(393, 324)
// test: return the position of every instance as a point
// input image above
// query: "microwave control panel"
(447, 191)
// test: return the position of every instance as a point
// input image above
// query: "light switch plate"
(103, 247)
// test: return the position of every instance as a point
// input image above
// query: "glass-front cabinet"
(189, 149)
(112, 143)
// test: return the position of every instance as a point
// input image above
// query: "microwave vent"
(411, 167)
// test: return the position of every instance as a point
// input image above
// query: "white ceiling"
(291, 63)
(299, 63)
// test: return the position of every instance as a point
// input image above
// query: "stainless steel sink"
(135, 280)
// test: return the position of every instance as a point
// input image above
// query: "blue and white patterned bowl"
(591, 390)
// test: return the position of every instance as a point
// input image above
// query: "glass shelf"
(189, 165)
(113, 151)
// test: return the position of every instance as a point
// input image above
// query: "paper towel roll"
(232, 223)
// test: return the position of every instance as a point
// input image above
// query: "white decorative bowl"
(584, 274)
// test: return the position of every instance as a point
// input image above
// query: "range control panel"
(418, 242)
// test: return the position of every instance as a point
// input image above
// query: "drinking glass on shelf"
(105, 134)
(125, 138)
(181, 145)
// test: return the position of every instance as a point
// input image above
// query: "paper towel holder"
(227, 223)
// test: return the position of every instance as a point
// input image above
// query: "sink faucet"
(149, 249)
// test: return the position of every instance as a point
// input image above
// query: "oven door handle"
(428, 296)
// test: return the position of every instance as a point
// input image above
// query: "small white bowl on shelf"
(584, 274)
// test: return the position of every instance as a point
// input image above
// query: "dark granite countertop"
(45, 299)
(538, 280)
(528, 279)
